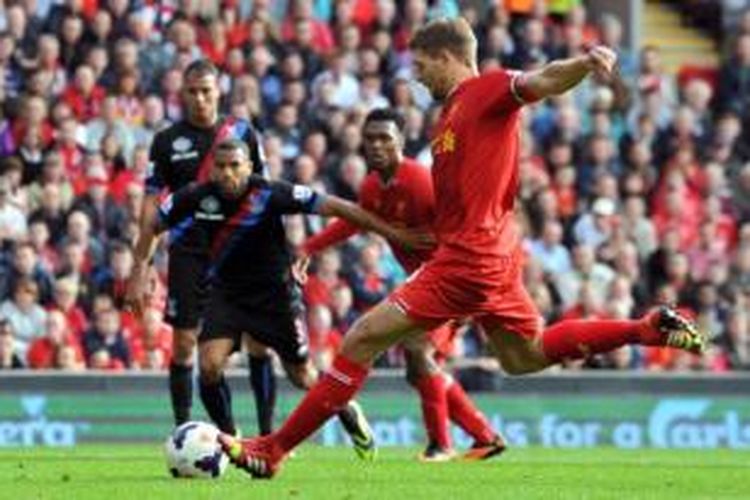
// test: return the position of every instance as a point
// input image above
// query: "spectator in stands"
(549, 251)
(12, 220)
(320, 285)
(106, 216)
(585, 269)
(39, 238)
(112, 279)
(109, 122)
(9, 356)
(369, 283)
(595, 228)
(79, 232)
(734, 89)
(26, 265)
(25, 314)
(324, 338)
(152, 349)
(736, 341)
(51, 212)
(104, 345)
(84, 88)
(66, 301)
(44, 353)
(83, 95)
(342, 85)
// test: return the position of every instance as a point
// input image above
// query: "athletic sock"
(467, 416)
(217, 399)
(263, 383)
(325, 399)
(434, 400)
(577, 339)
(181, 391)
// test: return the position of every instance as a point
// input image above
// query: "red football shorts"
(436, 294)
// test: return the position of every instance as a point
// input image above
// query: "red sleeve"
(424, 195)
(336, 232)
(340, 230)
(500, 91)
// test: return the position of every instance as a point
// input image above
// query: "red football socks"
(577, 339)
(342, 381)
(433, 396)
(466, 415)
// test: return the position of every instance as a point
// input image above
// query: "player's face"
(382, 145)
(200, 94)
(431, 71)
(231, 170)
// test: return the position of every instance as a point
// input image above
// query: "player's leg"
(381, 327)
(286, 334)
(262, 382)
(184, 307)
(352, 417)
(214, 390)
(523, 347)
(460, 408)
(424, 374)
(464, 413)
(181, 373)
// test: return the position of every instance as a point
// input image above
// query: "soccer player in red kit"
(476, 269)
(400, 190)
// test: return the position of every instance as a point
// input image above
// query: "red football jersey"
(406, 199)
(475, 174)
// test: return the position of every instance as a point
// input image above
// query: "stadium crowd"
(632, 192)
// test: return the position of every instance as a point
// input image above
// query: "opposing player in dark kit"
(181, 154)
(252, 292)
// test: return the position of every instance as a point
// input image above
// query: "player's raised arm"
(560, 76)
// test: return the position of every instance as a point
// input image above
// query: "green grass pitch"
(138, 472)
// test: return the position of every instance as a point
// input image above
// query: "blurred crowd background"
(633, 192)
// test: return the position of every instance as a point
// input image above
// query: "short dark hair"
(201, 67)
(386, 115)
(234, 144)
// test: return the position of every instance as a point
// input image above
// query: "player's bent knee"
(183, 345)
(211, 371)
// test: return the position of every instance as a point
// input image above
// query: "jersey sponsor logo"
(210, 204)
(303, 194)
(182, 144)
(184, 156)
(445, 142)
(209, 209)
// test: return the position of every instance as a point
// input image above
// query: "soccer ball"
(193, 451)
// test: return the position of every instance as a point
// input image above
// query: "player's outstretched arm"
(560, 76)
(333, 206)
(145, 245)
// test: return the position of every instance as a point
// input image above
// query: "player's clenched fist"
(601, 59)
